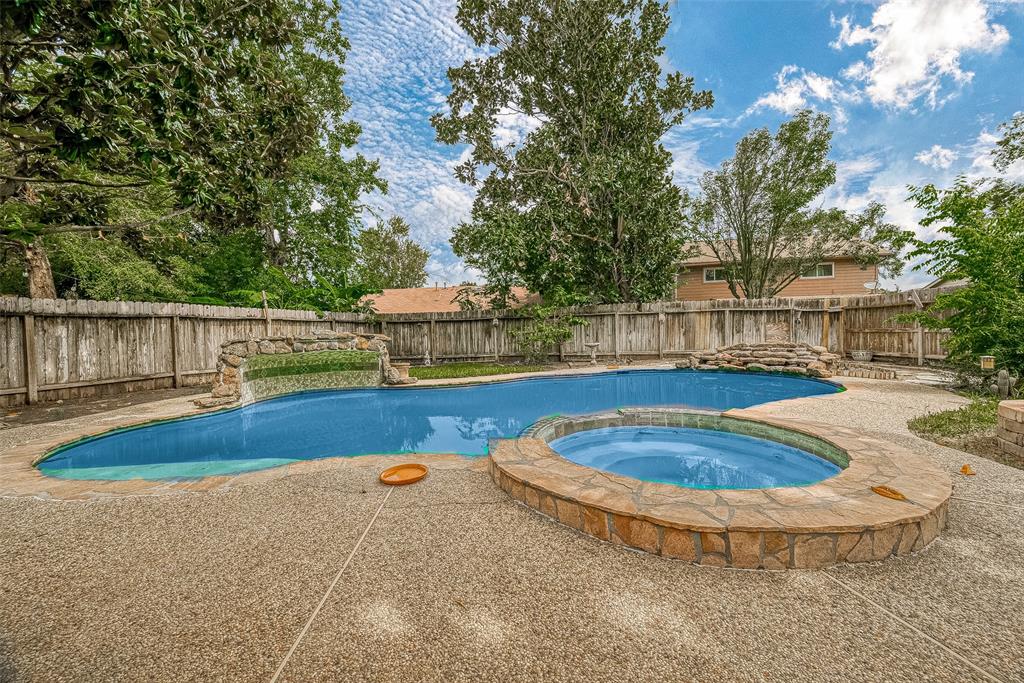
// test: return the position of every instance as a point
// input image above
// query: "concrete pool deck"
(451, 580)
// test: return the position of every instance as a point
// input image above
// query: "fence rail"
(56, 349)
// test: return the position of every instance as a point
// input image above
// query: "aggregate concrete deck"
(449, 580)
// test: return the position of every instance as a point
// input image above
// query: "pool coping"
(837, 520)
(19, 475)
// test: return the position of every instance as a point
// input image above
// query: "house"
(941, 282)
(433, 299)
(704, 278)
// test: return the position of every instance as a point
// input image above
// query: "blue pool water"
(425, 420)
(695, 458)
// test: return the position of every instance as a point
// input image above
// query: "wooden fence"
(55, 349)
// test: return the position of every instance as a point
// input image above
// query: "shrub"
(981, 228)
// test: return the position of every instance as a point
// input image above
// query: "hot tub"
(694, 457)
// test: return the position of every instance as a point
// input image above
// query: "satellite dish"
(871, 285)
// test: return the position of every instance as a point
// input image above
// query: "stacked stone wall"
(1010, 428)
(791, 357)
(228, 386)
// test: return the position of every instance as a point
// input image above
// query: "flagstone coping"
(833, 521)
(19, 476)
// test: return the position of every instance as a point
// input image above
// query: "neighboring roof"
(706, 257)
(432, 299)
(944, 282)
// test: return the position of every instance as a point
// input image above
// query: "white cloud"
(982, 166)
(396, 80)
(797, 89)
(864, 179)
(937, 157)
(917, 46)
(687, 166)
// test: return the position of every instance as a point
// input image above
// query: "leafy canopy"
(754, 213)
(138, 121)
(388, 258)
(981, 227)
(581, 206)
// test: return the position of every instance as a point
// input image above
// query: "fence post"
(826, 322)
(28, 326)
(615, 334)
(430, 344)
(494, 339)
(661, 334)
(176, 381)
(919, 305)
(841, 333)
(266, 313)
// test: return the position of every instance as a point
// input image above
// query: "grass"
(453, 370)
(970, 429)
(976, 417)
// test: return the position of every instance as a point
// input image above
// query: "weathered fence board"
(80, 348)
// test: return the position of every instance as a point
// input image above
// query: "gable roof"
(706, 257)
(432, 299)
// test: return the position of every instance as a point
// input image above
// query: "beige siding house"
(703, 278)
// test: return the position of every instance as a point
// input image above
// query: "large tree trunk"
(40, 277)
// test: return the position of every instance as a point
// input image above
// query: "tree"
(204, 102)
(1010, 147)
(583, 206)
(313, 213)
(388, 258)
(754, 212)
(982, 243)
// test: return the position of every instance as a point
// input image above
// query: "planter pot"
(403, 369)
(862, 355)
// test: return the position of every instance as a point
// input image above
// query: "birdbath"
(593, 351)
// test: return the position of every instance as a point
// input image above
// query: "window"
(822, 270)
(714, 275)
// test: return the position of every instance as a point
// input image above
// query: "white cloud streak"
(916, 48)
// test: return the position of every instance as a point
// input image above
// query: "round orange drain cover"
(400, 475)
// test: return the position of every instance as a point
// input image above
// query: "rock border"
(227, 387)
(834, 521)
(791, 357)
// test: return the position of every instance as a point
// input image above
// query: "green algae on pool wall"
(273, 375)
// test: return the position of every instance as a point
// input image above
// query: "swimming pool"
(694, 458)
(419, 420)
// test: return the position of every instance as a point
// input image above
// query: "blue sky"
(915, 88)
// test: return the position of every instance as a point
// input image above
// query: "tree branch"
(71, 181)
(113, 227)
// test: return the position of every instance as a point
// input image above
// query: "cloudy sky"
(916, 89)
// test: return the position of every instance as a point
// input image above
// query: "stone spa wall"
(251, 369)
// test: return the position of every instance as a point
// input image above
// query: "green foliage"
(124, 120)
(388, 258)
(452, 370)
(755, 212)
(547, 326)
(282, 292)
(313, 212)
(1010, 147)
(981, 228)
(586, 201)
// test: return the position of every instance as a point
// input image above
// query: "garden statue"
(1004, 384)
